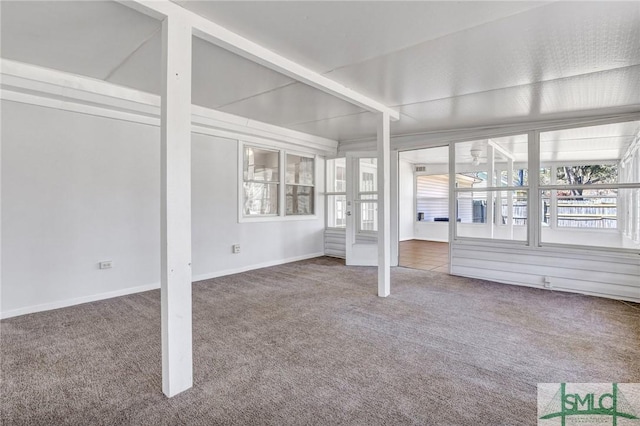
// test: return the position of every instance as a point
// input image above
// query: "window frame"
(282, 158)
(635, 156)
(492, 187)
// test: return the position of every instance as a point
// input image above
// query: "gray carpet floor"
(310, 343)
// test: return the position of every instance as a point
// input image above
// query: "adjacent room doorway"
(423, 199)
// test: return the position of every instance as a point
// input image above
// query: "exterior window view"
(319, 212)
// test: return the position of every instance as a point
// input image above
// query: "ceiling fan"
(475, 156)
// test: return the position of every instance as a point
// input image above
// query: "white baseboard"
(216, 274)
(139, 289)
(437, 240)
(77, 301)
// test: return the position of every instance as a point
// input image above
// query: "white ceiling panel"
(221, 77)
(554, 41)
(325, 35)
(292, 104)
(347, 127)
(142, 69)
(89, 38)
(607, 142)
(573, 96)
(438, 155)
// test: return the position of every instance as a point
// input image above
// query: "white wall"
(78, 189)
(406, 215)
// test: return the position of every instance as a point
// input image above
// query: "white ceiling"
(444, 65)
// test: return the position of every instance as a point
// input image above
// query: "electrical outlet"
(547, 282)
(235, 249)
(105, 264)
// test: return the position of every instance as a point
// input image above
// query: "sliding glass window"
(492, 188)
(590, 186)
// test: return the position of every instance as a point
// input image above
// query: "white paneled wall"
(594, 272)
(79, 189)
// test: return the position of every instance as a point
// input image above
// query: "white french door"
(362, 209)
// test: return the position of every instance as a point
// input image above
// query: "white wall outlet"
(235, 248)
(105, 264)
(547, 282)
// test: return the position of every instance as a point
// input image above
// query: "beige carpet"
(310, 343)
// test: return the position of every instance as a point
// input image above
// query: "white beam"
(510, 195)
(220, 36)
(508, 155)
(384, 206)
(177, 364)
(491, 169)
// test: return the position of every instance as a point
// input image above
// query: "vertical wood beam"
(395, 206)
(533, 203)
(384, 205)
(177, 357)
(553, 203)
(509, 197)
(491, 166)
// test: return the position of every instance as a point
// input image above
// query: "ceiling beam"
(508, 155)
(222, 37)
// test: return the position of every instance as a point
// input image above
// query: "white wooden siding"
(335, 243)
(601, 273)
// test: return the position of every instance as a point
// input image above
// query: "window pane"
(299, 170)
(368, 174)
(600, 218)
(500, 215)
(587, 174)
(299, 200)
(629, 214)
(368, 220)
(336, 211)
(336, 175)
(260, 198)
(592, 155)
(509, 156)
(594, 209)
(261, 165)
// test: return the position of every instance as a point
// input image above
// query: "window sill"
(277, 218)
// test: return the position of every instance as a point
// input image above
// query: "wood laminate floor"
(425, 255)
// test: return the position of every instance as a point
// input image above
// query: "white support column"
(553, 207)
(384, 205)
(533, 202)
(177, 357)
(491, 169)
(510, 197)
(395, 221)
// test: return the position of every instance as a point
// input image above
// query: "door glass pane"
(337, 211)
(368, 171)
(368, 220)
(336, 175)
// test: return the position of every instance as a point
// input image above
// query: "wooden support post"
(177, 364)
(384, 205)
(491, 169)
(510, 197)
